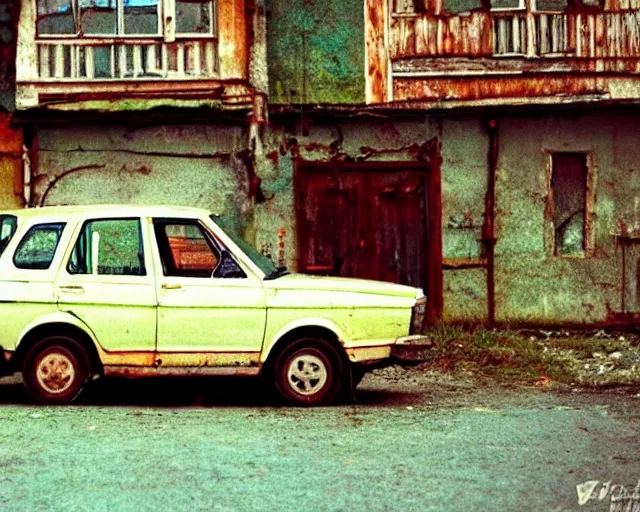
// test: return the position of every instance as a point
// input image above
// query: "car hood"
(341, 284)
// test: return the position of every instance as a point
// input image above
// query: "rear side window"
(8, 225)
(109, 247)
(38, 247)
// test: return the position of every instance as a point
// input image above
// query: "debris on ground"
(544, 358)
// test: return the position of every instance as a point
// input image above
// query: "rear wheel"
(308, 372)
(55, 370)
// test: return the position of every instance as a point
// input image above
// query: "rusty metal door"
(363, 221)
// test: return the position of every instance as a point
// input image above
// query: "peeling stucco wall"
(315, 51)
(8, 22)
(210, 166)
(193, 165)
(11, 164)
(325, 139)
(464, 185)
(533, 286)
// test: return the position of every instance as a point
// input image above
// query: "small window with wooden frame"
(570, 207)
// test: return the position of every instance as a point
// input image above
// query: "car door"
(107, 282)
(28, 272)
(210, 310)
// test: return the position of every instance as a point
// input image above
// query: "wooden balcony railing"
(125, 59)
(603, 35)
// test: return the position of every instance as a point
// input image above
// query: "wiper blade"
(279, 272)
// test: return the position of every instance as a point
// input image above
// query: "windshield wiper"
(279, 272)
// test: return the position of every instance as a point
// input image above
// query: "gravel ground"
(414, 440)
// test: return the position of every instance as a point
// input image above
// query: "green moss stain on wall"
(533, 286)
(316, 51)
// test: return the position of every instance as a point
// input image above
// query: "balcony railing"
(603, 35)
(121, 59)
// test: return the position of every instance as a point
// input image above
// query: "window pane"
(98, 16)
(55, 17)
(551, 5)
(7, 229)
(265, 264)
(506, 4)
(38, 247)
(140, 16)
(194, 17)
(569, 185)
(119, 249)
(185, 250)
(461, 5)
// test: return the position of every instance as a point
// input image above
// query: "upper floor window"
(101, 18)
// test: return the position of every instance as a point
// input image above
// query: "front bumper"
(402, 350)
(409, 349)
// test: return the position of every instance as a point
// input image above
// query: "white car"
(137, 291)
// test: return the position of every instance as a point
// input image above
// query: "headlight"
(417, 315)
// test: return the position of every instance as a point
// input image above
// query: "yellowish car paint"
(159, 321)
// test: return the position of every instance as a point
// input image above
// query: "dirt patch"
(534, 357)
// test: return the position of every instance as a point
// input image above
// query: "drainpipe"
(488, 233)
(26, 173)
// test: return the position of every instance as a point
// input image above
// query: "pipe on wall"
(488, 230)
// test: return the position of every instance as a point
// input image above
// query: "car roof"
(108, 210)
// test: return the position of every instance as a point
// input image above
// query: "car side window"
(109, 247)
(38, 246)
(8, 225)
(187, 250)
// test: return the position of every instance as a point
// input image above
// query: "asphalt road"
(410, 445)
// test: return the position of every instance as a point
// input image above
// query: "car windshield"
(261, 261)
(8, 225)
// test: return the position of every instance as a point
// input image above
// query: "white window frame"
(166, 29)
(522, 6)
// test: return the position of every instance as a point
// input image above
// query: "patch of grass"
(511, 354)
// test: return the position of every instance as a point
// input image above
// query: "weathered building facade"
(484, 150)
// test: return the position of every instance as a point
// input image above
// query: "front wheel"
(55, 370)
(308, 372)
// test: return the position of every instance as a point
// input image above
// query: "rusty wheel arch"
(303, 332)
(56, 329)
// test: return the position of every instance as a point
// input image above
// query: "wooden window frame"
(166, 32)
(590, 205)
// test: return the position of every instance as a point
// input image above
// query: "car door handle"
(71, 289)
(171, 286)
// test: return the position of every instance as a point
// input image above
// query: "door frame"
(433, 214)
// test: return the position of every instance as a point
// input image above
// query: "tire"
(308, 372)
(55, 370)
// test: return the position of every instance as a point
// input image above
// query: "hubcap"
(307, 374)
(55, 373)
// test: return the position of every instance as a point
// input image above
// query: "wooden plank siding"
(484, 54)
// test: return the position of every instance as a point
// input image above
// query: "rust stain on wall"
(376, 58)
